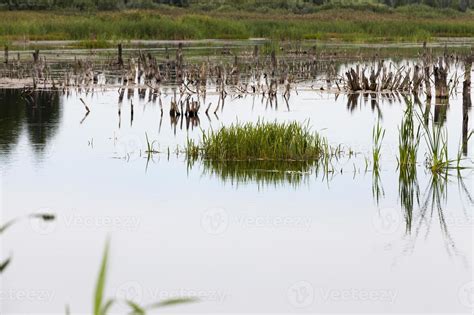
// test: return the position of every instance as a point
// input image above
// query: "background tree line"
(86, 4)
(295, 6)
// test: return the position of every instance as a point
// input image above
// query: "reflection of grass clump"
(261, 172)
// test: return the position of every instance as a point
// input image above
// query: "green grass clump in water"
(262, 141)
(266, 153)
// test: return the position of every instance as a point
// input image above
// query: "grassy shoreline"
(348, 25)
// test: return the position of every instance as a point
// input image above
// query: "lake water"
(328, 243)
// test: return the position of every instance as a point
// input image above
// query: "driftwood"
(466, 89)
(441, 80)
(119, 57)
(405, 79)
(192, 108)
(417, 79)
(427, 70)
(466, 102)
(6, 54)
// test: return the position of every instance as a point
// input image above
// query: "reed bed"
(337, 23)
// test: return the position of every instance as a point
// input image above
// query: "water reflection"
(264, 173)
(421, 209)
(37, 114)
(409, 193)
(347, 207)
(466, 107)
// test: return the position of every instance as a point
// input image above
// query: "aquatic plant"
(40, 216)
(378, 134)
(102, 305)
(408, 145)
(408, 140)
(188, 24)
(4, 264)
(437, 157)
(262, 141)
(267, 153)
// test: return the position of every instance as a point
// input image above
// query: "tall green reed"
(102, 305)
(378, 134)
(408, 140)
(408, 145)
(35, 216)
(437, 158)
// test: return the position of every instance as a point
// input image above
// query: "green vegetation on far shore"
(345, 24)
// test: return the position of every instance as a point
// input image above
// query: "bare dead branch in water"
(85, 105)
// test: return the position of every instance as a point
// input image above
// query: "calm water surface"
(317, 244)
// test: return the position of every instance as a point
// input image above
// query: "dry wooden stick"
(87, 108)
